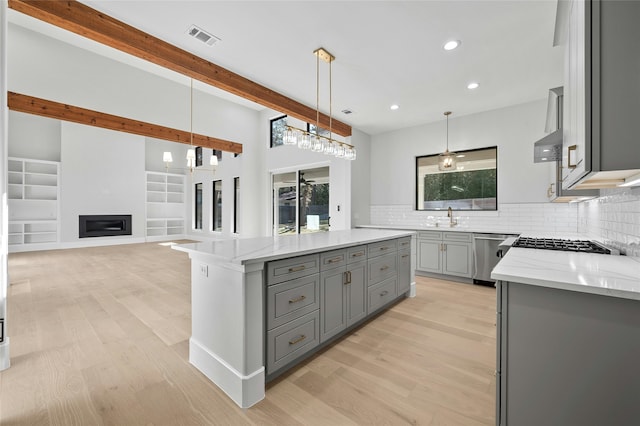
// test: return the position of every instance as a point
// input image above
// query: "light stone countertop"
(609, 275)
(262, 249)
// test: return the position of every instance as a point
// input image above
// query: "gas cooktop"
(582, 246)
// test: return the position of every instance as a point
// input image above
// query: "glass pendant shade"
(289, 137)
(191, 158)
(447, 161)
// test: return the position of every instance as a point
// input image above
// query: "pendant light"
(314, 141)
(447, 160)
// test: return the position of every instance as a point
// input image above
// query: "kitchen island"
(568, 338)
(260, 305)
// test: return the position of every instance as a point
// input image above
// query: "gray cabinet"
(342, 290)
(293, 301)
(313, 298)
(601, 94)
(404, 265)
(449, 253)
(566, 357)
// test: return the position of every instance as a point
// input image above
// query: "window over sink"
(473, 185)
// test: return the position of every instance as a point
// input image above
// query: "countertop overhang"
(262, 249)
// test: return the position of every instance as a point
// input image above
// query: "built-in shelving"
(33, 193)
(165, 194)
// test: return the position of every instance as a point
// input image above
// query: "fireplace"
(104, 225)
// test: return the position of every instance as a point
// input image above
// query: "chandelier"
(314, 141)
(447, 160)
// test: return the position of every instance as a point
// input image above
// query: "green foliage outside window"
(457, 185)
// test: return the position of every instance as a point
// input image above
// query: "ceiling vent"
(347, 111)
(202, 35)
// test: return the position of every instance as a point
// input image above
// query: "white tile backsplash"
(613, 218)
(543, 217)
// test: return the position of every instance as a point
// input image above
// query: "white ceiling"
(386, 51)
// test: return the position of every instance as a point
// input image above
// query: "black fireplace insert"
(104, 225)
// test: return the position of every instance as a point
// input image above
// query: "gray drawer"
(430, 235)
(457, 236)
(288, 269)
(356, 254)
(381, 294)
(404, 243)
(292, 299)
(294, 339)
(382, 267)
(333, 259)
(381, 248)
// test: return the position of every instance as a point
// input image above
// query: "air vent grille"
(202, 35)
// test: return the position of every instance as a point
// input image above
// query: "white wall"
(102, 172)
(361, 179)
(4, 281)
(514, 130)
(35, 137)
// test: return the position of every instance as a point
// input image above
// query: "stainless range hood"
(549, 148)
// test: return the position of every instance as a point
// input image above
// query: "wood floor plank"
(100, 337)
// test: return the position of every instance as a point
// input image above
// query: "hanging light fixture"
(314, 141)
(447, 160)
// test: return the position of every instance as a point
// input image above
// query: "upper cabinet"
(601, 120)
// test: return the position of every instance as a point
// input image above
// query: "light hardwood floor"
(99, 336)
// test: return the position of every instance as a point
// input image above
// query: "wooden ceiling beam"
(60, 111)
(87, 22)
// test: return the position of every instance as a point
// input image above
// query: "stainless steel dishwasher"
(486, 254)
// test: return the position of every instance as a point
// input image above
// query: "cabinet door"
(457, 259)
(356, 292)
(404, 271)
(430, 256)
(576, 152)
(332, 303)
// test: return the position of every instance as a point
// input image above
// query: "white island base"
(229, 299)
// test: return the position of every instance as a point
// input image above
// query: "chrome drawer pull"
(357, 254)
(297, 339)
(335, 259)
(298, 299)
(297, 268)
(384, 268)
(384, 293)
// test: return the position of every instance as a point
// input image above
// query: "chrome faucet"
(452, 222)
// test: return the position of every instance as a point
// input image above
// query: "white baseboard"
(243, 390)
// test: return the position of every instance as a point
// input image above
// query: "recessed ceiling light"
(451, 44)
(394, 107)
(472, 85)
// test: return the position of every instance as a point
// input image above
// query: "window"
(301, 201)
(198, 156)
(216, 208)
(278, 126)
(236, 205)
(472, 186)
(218, 154)
(197, 210)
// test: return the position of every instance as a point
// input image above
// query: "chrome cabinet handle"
(297, 268)
(357, 254)
(347, 277)
(297, 339)
(335, 259)
(297, 299)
